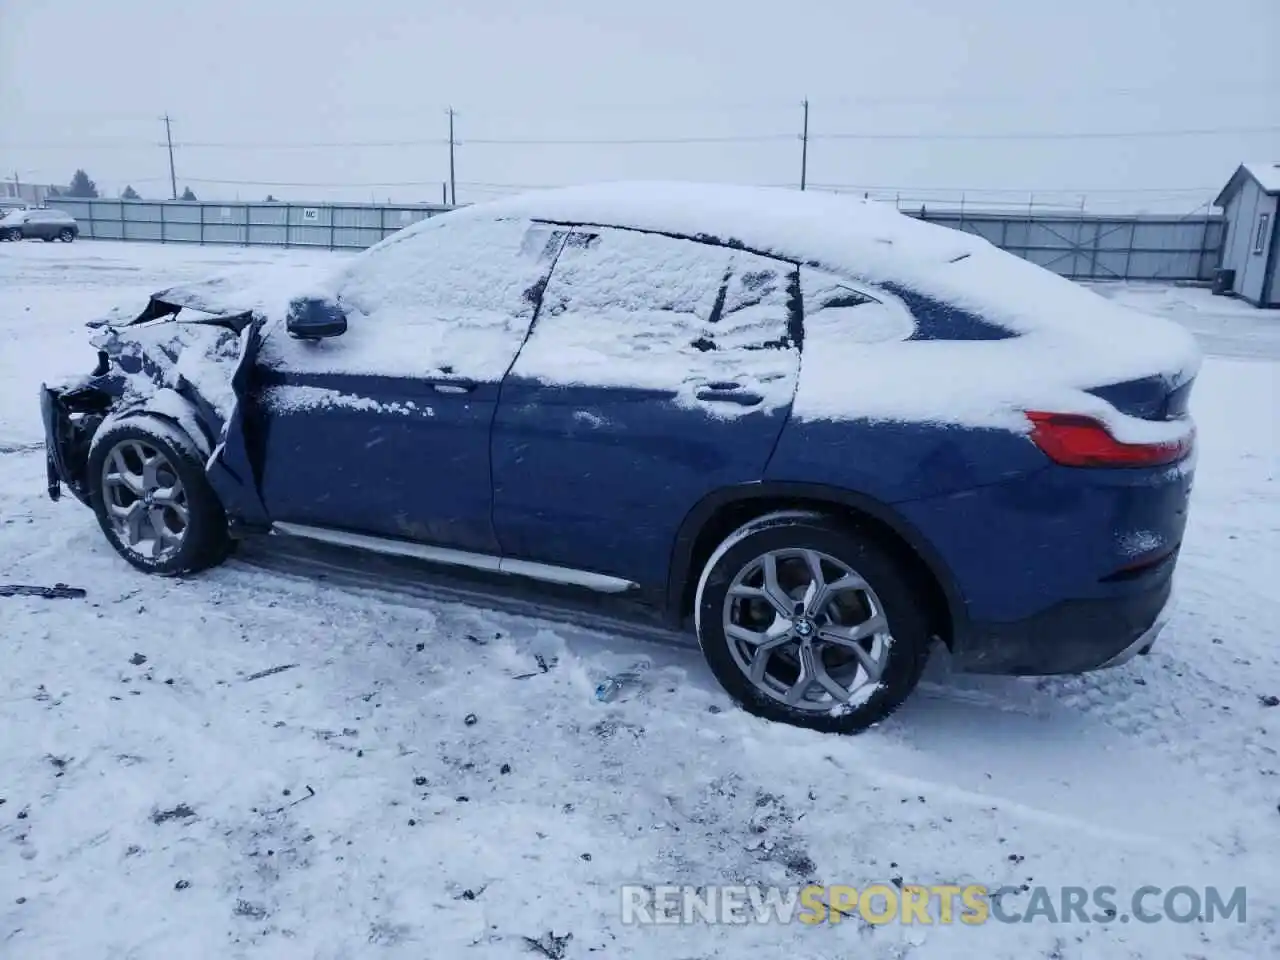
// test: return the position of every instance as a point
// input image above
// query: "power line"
(662, 141)
(302, 183)
(1074, 135)
(852, 187)
(1035, 94)
(1017, 191)
(626, 141)
(311, 145)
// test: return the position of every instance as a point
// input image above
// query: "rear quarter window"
(836, 310)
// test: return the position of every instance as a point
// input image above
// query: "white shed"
(1252, 244)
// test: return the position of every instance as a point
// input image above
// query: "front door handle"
(453, 386)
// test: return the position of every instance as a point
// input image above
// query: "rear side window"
(631, 309)
(835, 310)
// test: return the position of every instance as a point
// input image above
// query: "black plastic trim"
(1073, 636)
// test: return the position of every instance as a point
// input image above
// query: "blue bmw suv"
(824, 433)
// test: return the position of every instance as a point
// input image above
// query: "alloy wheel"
(145, 500)
(806, 630)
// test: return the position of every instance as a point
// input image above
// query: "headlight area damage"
(182, 362)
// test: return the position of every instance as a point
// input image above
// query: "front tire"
(807, 621)
(66, 235)
(152, 499)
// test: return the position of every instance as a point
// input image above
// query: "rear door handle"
(453, 386)
(728, 393)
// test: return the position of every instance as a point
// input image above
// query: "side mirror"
(313, 319)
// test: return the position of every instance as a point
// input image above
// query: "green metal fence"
(1084, 246)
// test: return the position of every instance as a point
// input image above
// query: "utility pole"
(804, 148)
(453, 184)
(173, 177)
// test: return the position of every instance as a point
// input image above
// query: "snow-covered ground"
(432, 777)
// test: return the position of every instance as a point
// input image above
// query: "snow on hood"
(204, 355)
(265, 290)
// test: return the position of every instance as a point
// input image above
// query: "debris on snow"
(180, 812)
(293, 803)
(59, 591)
(549, 945)
(269, 672)
(252, 911)
(543, 664)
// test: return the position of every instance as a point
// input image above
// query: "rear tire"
(759, 597)
(152, 499)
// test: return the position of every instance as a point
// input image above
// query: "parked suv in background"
(39, 224)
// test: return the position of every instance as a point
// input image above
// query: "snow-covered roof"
(1265, 173)
(805, 226)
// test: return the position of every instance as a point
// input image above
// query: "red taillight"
(1078, 441)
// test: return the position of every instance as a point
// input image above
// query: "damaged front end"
(192, 372)
(71, 415)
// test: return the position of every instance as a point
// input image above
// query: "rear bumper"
(1073, 636)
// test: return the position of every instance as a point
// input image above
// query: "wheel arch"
(720, 513)
(171, 407)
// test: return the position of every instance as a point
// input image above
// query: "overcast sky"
(347, 99)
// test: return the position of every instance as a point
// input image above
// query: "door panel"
(381, 455)
(658, 370)
(385, 430)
